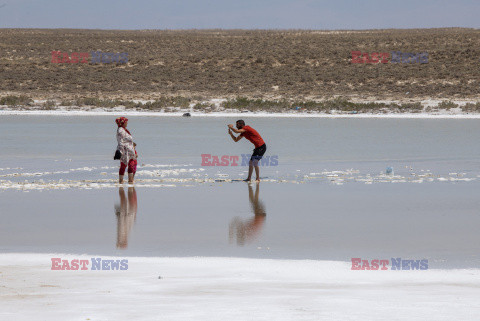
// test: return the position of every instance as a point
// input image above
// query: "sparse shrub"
(243, 103)
(447, 105)
(67, 103)
(307, 105)
(411, 107)
(344, 105)
(109, 103)
(128, 103)
(49, 105)
(89, 101)
(16, 101)
(201, 106)
(163, 102)
(471, 107)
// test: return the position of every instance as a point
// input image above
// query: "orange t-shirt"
(253, 136)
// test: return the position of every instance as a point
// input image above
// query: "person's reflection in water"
(126, 214)
(247, 230)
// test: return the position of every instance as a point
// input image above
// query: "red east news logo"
(359, 58)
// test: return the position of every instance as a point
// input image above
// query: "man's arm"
(235, 139)
(238, 131)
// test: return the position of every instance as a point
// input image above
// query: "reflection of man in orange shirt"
(254, 137)
(126, 214)
(247, 231)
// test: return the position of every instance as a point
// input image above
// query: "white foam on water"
(163, 165)
(167, 172)
(160, 174)
(222, 175)
(91, 169)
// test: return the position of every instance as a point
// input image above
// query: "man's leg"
(250, 171)
(257, 172)
(256, 159)
(253, 164)
(258, 154)
(120, 179)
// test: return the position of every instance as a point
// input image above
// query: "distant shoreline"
(244, 107)
(115, 113)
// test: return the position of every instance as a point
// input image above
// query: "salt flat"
(213, 288)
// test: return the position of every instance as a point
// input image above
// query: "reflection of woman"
(126, 215)
(246, 231)
(125, 146)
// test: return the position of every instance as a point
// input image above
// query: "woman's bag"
(118, 155)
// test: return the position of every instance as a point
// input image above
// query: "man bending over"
(254, 137)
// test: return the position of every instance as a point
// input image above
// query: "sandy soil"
(222, 64)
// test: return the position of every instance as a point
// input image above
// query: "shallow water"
(329, 197)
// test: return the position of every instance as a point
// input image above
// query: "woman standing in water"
(127, 149)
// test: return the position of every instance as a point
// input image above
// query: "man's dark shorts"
(258, 153)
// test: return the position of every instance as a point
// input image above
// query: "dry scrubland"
(182, 66)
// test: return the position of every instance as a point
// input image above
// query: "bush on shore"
(16, 101)
(173, 103)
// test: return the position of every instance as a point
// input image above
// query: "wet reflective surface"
(307, 221)
(126, 213)
(247, 230)
(328, 199)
